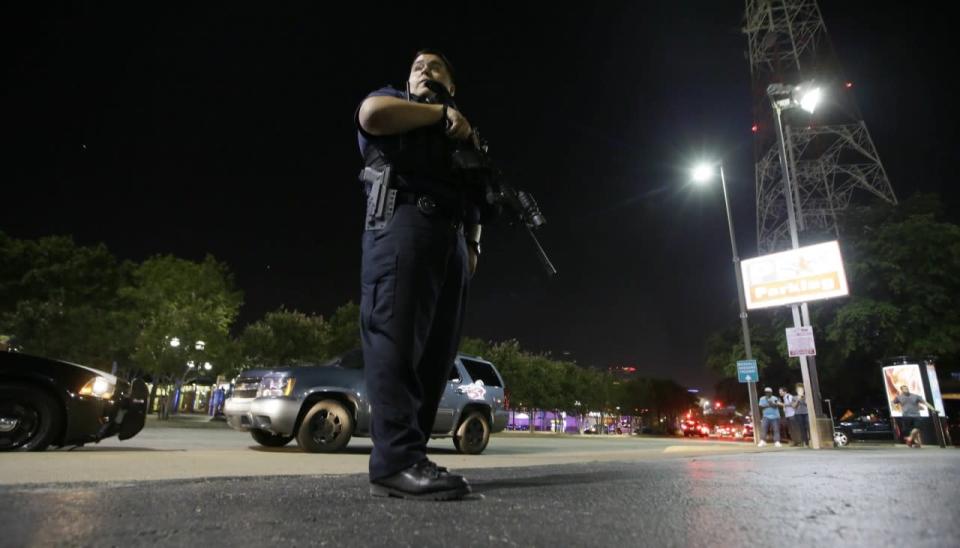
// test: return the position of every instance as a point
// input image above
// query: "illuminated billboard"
(809, 273)
(934, 387)
(895, 376)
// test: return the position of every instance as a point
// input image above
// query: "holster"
(382, 199)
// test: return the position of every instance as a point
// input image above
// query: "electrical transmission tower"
(831, 156)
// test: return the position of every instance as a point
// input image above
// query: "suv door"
(443, 424)
(491, 391)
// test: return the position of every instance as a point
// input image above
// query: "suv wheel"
(473, 434)
(269, 439)
(30, 419)
(326, 428)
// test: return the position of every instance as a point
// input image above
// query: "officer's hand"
(472, 259)
(458, 127)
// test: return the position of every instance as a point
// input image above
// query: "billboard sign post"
(793, 278)
(799, 275)
(920, 377)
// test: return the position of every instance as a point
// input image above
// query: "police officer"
(420, 248)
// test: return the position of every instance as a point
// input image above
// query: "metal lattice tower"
(832, 157)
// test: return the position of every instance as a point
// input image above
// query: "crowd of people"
(790, 407)
(787, 414)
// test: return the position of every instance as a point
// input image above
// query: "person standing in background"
(802, 416)
(770, 409)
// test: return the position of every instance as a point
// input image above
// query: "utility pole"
(807, 173)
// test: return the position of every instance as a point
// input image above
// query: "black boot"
(423, 481)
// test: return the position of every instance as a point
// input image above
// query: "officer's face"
(428, 67)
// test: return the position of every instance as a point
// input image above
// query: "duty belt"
(382, 200)
(430, 207)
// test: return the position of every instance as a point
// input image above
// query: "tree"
(62, 300)
(545, 392)
(523, 373)
(767, 343)
(732, 392)
(342, 332)
(902, 267)
(474, 347)
(283, 338)
(182, 312)
(536, 383)
(901, 263)
(670, 400)
(636, 397)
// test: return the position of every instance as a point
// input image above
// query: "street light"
(207, 366)
(193, 367)
(200, 346)
(807, 97)
(702, 173)
(810, 99)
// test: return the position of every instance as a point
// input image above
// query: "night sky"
(229, 130)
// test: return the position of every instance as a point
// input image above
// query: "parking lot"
(175, 484)
(200, 448)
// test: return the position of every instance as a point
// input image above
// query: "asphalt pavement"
(863, 496)
(207, 450)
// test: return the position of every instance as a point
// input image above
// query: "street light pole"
(808, 371)
(701, 173)
(744, 325)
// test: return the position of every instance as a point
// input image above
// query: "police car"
(46, 402)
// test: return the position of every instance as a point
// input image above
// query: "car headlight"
(99, 387)
(275, 384)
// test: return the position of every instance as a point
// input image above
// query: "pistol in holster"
(381, 199)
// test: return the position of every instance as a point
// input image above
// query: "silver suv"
(323, 406)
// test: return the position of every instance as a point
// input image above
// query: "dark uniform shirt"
(420, 159)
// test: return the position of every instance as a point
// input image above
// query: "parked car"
(606, 429)
(323, 406)
(872, 424)
(46, 402)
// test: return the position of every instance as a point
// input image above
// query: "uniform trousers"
(414, 283)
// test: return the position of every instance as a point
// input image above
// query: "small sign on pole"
(800, 342)
(747, 371)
